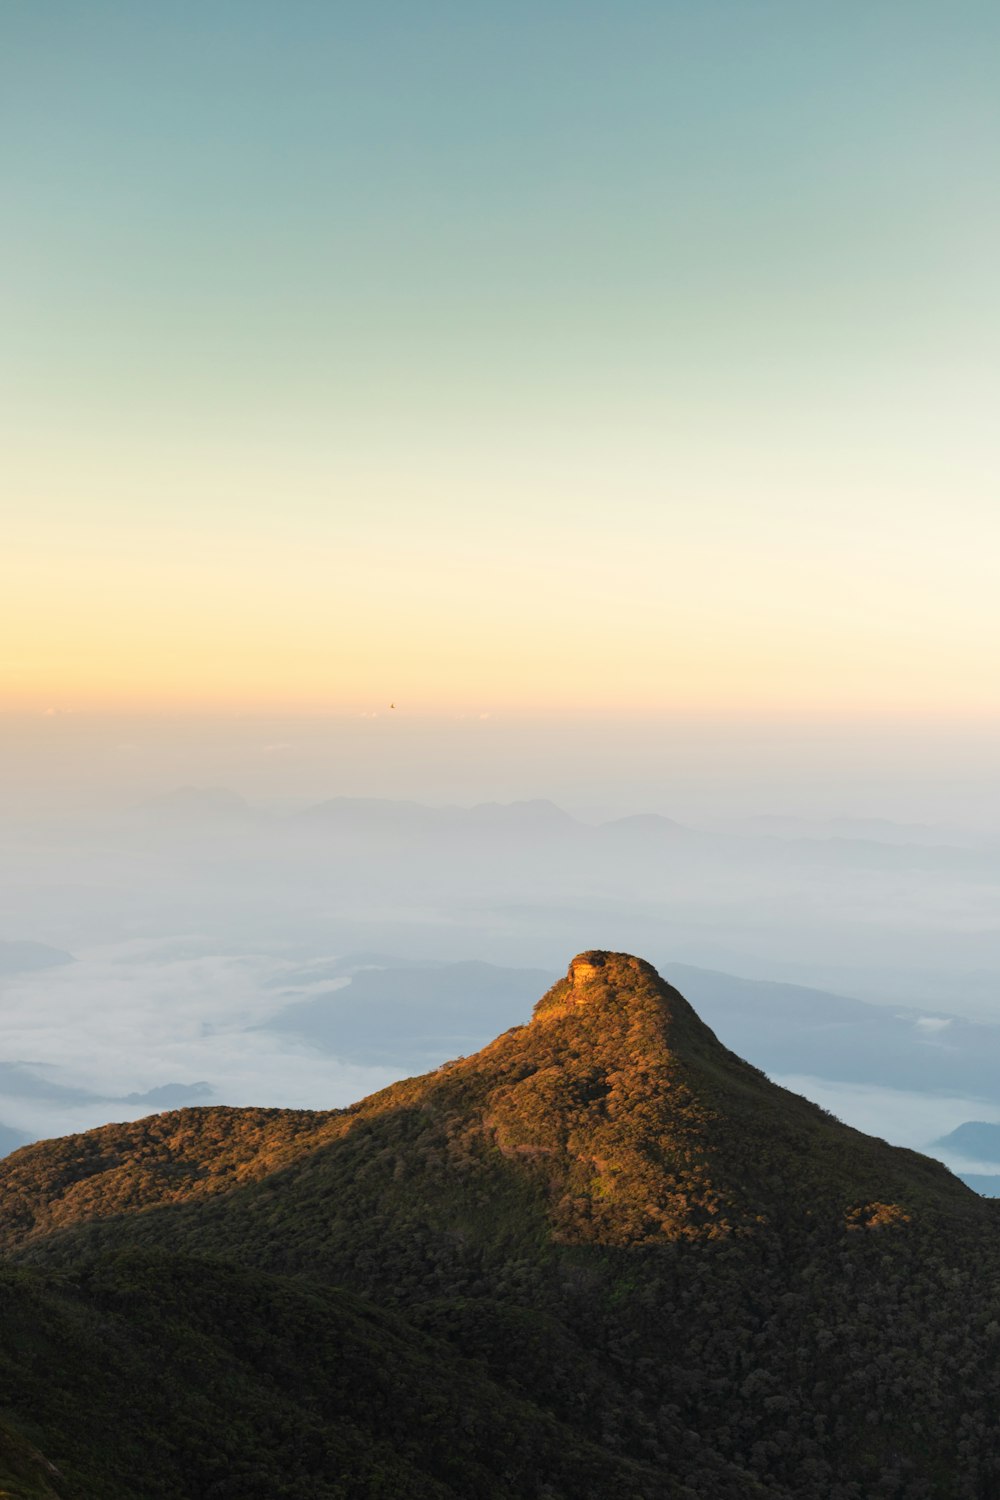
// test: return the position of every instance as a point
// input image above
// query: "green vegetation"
(24, 1473)
(602, 1257)
(159, 1376)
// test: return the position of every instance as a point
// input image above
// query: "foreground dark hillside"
(158, 1376)
(608, 1233)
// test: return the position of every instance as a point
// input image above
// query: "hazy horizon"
(905, 769)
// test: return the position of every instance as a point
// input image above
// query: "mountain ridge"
(604, 1255)
(648, 1128)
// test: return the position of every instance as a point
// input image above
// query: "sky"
(500, 359)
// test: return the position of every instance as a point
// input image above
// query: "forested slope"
(603, 1238)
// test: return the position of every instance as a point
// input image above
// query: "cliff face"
(621, 1241)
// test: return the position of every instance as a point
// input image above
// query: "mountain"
(402, 824)
(10, 1138)
(537, 812)
(170, 1095)
(978, 1140)
(987, 1183)
(626, 1119)
(796, 1029)
(604, 1255)
(24, 958)
(403, 1014)
(409, 1014)
(20, 1082)
(644, 832)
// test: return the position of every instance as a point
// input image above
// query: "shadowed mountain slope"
(604, 1233)
(170, 1379)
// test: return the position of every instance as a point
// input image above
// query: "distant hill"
(976, 1139)
(19, 1082)
(414, 1015)
(601, 1257)
(537, 810)
(23, 1081)
(11, 1139)
(376, 817)
(795, 1029)
(24, 958)
(985, 1183)
(650, 826)
(27, 1081)
(170, 1095)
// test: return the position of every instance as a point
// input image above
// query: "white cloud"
(132, 1016)
(900, 1117)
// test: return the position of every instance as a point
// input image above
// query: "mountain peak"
(615, 1117)
(595, 963)
(619, 983)
(596, 975)
(499, 1203)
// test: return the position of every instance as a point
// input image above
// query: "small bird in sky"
(392, 705)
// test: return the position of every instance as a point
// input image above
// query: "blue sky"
(306, 299)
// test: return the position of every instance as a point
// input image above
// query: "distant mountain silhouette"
(24, 1082)
(413, 1014)
(170, 1095)
(408, 819)
(976, 1139)
(24, 958)
(982, 1182)
(652, 824)
(795, 1029)
(27, 1081)
(11, 1139)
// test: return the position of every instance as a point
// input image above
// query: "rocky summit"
(604, 1256)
